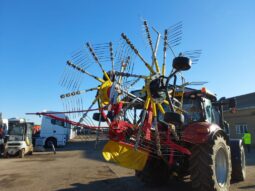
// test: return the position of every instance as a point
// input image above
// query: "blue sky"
(37, 37)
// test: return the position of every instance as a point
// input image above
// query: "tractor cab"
(203, 106)
(19, 138)
(198, 106)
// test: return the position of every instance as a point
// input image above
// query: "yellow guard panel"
(125, 155)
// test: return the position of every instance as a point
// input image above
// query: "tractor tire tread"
(201, 166)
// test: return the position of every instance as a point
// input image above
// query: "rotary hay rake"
(131, 138)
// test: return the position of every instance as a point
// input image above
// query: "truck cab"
(54, 132)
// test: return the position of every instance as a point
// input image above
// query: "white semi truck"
(54, 132)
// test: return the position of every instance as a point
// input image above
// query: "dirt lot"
(80, 167)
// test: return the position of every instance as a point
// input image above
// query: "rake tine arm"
(111, 55)
(77, 93)
(164, 53)
(137, 53)
(97, 60)
(84, 71)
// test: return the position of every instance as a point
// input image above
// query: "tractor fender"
(200, 132)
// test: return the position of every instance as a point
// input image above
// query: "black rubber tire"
(21, 153)
(238, 161)
(176, 118)
(96, 117)
(49, 142)
(203, 165)
(155, 172)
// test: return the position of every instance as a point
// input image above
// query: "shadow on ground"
(90, 148)
(126, 184)
(250, 187)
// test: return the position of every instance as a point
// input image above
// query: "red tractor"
(187, 136)
(214, 159)
(179, 132)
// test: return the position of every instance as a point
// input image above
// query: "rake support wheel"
(155, 173)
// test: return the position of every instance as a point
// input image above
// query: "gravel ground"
(79, 166)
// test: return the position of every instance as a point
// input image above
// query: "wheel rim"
(221, 167)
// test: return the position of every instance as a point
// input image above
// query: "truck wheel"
(21, 153)
(238, 161)
(155, 172)
(210, 166)
(50, 141)
(6, 155)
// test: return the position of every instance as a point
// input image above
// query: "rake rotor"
(117, 72)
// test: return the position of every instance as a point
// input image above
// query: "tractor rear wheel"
(155, 172)
(210, 165)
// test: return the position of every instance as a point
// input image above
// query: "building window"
(241, 128)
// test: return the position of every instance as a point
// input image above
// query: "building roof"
(245, 101)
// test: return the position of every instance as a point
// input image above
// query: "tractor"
(199, 126)
(180, 132)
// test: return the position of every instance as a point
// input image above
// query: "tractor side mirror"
(232, 103)
(175, 118)
(182, 63)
